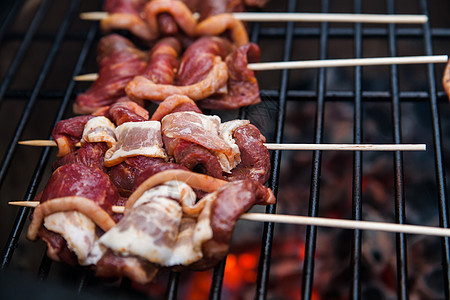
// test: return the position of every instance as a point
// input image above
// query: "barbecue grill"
(44, 45)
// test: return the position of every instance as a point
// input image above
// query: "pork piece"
(167, 228)
(242, 85)
(89, 186)
(154, 169)
(57, 248)
(125, 15)
(90, 154)
(219, 24)
(225, 207)
(197, 158)
(68, 132)
(446, 80)
(172, 104)
(154, 230)
(99, 130)
(210, 8)
(124, 111)
(202, 72)
(255, 158)
(198, 59)
(113, 266)
(160, 71)
(142, 88)
(118, 61)
(163, 61)
(180, 13)
(136, 138)
(201, 130)
(80, 180)
(124, 174)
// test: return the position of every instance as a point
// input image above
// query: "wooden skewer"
(315, 221)
(326, 63)
(352, 62)
(304, 17)
(270, 146)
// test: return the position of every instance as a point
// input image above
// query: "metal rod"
(262, 280)
(439, 159)
(355, 292)
(313, 209)
(400, 208)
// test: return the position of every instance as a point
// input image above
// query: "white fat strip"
(77, 229)
(150, 229)
(226, 132)
(137, 138)
(99, 129)
(209, 123)
(193, 233)
(173, 189)
(96, 253)
(223, 130)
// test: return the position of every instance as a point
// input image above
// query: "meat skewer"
(313, 221)
(150, 19)
(302, 17)
(212, 71)
(328, 63)
(272, 146)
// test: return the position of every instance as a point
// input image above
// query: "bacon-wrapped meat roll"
(232, 150)
(119, 61)
(74, 202)
(148, 20)
(165, 226)
(212, 72)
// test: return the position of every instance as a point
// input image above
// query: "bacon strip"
(99, 130)
(242, 85)
(142, 88)
(136, 138)
(84, 205)
(198, 59)
(174, 103)
(218, 24)
(177, 9)
(124, 111)
(125, 14)
(195, 180)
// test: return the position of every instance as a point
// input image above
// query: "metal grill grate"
(31, 102)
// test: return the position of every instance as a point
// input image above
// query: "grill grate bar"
(217, 279)
(40, 81)
(313, 210)
(11, 16)
(38, 17)
(439, 160)
(286, 34)
(357, 162)
(292, 95)
(401, 246)
(262, 280)
(20, 220)
(172, 286)
(279, 32)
